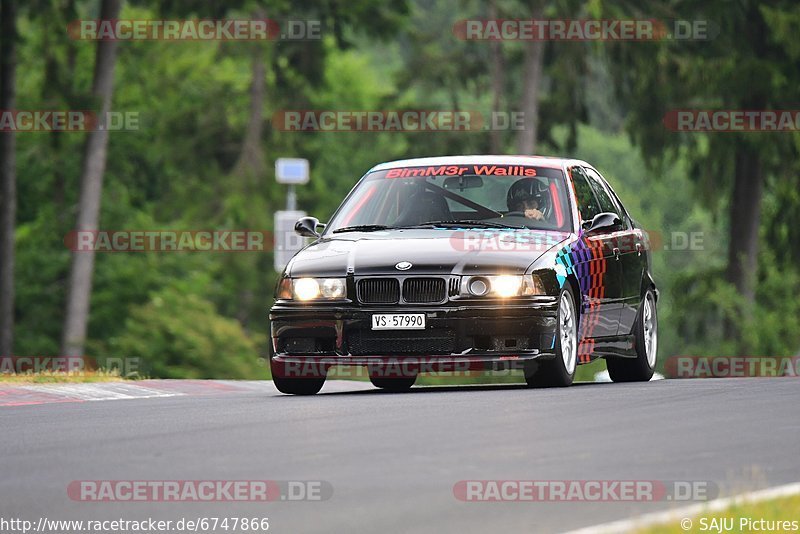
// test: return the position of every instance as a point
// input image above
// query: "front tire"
(641, 368)
(560, 371)
(292, 385)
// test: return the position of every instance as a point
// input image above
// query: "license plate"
(398, 321)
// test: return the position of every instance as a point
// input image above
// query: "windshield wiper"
(458, 224)
(363, 228)
(470, 222)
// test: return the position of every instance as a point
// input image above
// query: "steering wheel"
(547, 206)
(545, 214)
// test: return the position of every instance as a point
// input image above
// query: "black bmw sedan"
(468, 262)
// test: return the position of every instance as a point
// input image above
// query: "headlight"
(306, 289)
(479, 286)
(333, 288)
(504, 286)
(312, 289)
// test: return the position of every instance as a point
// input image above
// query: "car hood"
(430, 251)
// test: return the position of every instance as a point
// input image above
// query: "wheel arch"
(572, 280)
(648, 283)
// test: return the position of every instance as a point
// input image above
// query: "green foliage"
(177, 335)
(708, 304)
(42, 263)
(204, 314)
(663, 202)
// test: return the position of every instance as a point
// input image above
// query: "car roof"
(538, 161)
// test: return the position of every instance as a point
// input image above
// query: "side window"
(587, 203)
(607, 203)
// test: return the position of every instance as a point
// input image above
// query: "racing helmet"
(525, 190)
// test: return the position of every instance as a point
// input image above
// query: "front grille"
(389, 343)
(455, 286)
(423, 290)
(379, 291)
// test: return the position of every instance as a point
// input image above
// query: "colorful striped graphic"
(584, 258)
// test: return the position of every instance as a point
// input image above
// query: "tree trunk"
(251, 166)
(251, 159)
(8, 188)
(94, 165)
(531, 84)
(745, 219)
(57, 89)
(498, 83)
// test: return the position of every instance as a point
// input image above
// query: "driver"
(526, 197)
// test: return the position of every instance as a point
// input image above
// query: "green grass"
(61, 377)
(783, 509)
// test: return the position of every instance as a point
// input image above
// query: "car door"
(597, 268)
(627, 241)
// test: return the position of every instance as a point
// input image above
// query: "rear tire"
(559, 371)
(305, 385)
(645, 331)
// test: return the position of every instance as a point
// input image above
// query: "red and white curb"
(28, 394)
(25, 394)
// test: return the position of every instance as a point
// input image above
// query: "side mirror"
(601, 221)
(307, 227)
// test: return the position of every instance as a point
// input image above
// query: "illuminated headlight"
(306, 289)
(505, 286)
(312, 289)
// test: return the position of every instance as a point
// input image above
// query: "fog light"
(478, 287)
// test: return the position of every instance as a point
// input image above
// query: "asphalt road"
(392, 459)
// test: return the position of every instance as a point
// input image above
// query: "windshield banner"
(460, 170)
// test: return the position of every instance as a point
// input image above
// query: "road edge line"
(716, 505)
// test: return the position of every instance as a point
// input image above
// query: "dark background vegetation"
(204, 158)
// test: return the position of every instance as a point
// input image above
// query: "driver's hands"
(534, 214)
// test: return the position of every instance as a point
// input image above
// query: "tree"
(8, 178)
(531, 87)
(498, 81)
(94, 164)
(251, 162)
(747, 66)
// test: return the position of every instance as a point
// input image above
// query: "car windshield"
(492, 196)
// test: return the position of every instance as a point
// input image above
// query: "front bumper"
(477, 336)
